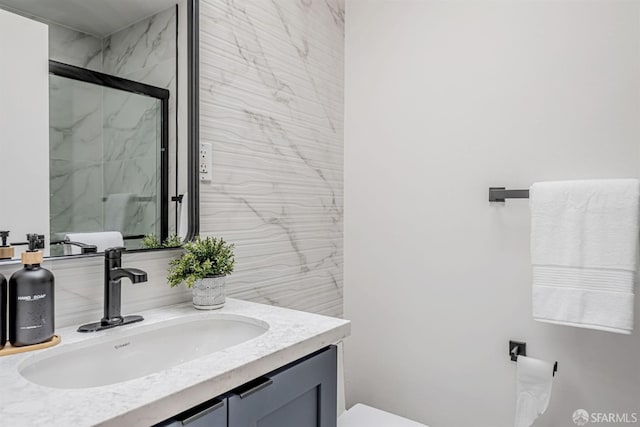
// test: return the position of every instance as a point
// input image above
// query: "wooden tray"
(9, 350)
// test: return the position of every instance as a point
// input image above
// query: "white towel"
(102, 240)
(584, 244)
(119, 211)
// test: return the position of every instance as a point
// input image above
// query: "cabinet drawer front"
(302, 394)
(212, 413)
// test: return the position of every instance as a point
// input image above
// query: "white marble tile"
(134, 48)
(76, 196)
(75, 120)
(132, 126)
(74, 47)
(271, 106)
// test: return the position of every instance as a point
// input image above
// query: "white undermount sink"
(126, 354)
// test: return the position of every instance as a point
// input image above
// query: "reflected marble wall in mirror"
(119, 136)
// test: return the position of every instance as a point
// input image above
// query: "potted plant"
(203, 267)
(151, 241)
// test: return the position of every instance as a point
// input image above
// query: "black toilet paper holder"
(519, 348)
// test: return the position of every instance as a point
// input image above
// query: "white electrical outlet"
(205, 164)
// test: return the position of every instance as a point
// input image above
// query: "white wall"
(443, 100)
(24, 127)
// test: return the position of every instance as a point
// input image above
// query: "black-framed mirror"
(123, 125)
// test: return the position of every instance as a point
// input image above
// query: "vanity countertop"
(144, 401)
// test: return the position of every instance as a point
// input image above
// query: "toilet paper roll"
(534, 379)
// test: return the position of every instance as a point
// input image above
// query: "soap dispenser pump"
(6, 251)
(31, 299)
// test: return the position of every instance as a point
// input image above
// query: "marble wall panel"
(272, 108)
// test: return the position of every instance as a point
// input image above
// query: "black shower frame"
(113, 82)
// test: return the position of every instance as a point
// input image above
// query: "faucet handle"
(114, 253)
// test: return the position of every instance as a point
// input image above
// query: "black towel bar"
(499, 194)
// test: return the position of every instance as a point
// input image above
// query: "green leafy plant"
(150, 241)
(173, 241)
(204, 257)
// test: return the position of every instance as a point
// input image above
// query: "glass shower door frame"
(113, 82)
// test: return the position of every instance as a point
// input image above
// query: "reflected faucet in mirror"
(113, 273)
(84, 248)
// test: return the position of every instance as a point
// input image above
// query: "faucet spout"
(135, 275)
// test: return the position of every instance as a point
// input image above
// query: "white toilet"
(360, 415)
(365, 416)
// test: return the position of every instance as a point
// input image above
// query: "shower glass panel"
(106, 148)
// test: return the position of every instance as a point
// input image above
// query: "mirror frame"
(193, 139)
(193, 114)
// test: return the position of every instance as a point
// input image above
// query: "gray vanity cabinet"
(300, 394)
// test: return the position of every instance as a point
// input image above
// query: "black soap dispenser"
(3, 311)
(31, 299)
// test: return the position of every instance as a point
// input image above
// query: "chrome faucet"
(113, 273)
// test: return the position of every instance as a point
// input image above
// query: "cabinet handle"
(202, 413)
(266, 382)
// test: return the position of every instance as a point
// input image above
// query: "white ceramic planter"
(209, 293)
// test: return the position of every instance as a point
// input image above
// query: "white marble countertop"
(153, 398)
